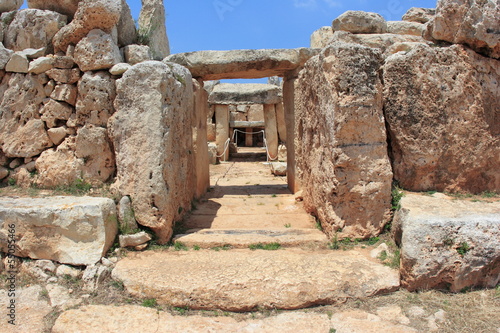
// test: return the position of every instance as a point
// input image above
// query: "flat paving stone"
(244, 280)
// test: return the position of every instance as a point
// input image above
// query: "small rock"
(5, 55)
(134, 240)
(4, 173)
(63, 62)
(120, 68)
(60, 297)
(299, 196)
(40, 65)
(46, 265)
(64, 270)
(65, 93)
(141, 247)
(135, 54)
(65, 75)
(106, 262)
(34, 53)
(94, 275)
(31, 166)
(52, 279)
(126, 216)
(18, 63)
(279, 168)
(375, 253)
(114, 260)
(420, 15)
(30, 268)
(15, 163)
(57, 135)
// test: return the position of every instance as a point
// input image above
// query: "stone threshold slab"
(241, 238)
(245, 280)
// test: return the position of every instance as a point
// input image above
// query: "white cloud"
(309, 4)
(333, 3)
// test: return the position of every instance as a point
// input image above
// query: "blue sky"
(254, 24)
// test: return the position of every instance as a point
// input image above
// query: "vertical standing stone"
(152, 29)
(152, 136)
(200, 138)
(280, 116)
(289, 107)
(249, 137)
(222, 130)
(271, 128)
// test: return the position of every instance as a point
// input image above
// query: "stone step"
(243, 238)
(245, 280)
(250, 221)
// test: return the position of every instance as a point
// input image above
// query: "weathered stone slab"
(242, 64)
(321, 37)
(448, 244)
(131, 318)
(341, 142)
(405, 28)
(70, 230)
(245, 94)
(66, 7)
(152, 135)
(242, 280)
(246, 124)
(419, 15)
(207, 239)
(378, 41)
(97, 51)
(360, 22)
(446, 136)
(474, 23)
(29, 312)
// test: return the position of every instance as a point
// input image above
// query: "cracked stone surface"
(243, 280)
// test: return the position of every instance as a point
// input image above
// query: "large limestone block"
(242, 64)
(474, 23)
(419, 15)
(96, 93)
(341, 141)
(65, 7)
(441, 106)
(60, 166)
(91, 14)
(244, 280)
(245, 94)
(93, 146)
(127, 33)
(70, 230)
(360, 22)
(405, 28)
(21, 103)
(97, 51)
(448, 244)
(378, 41)
(152, 28)
(152, 136)
(29, 140)
(33, 28)
(119, 319)
(135, 54)
(321, 37)
(10, 5)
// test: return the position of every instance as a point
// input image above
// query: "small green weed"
(288, 225)
(333, 330)
(449, 242)
(226, 247)
(11, 182)
(196, 248)
(180, 210)
(182, 310)
(488, 194)
(260, 204)
(334, 245)
(382, 256)
(397, 195)
(274, 196)
(430, 193)
(150, 303)
(319, 226)
(117, 284)
(267, 247)
(463, 248)
(373, 240)
(179, 246)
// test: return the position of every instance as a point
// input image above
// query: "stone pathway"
(248, 205)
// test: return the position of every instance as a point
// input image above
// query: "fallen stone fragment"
(135, 239)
